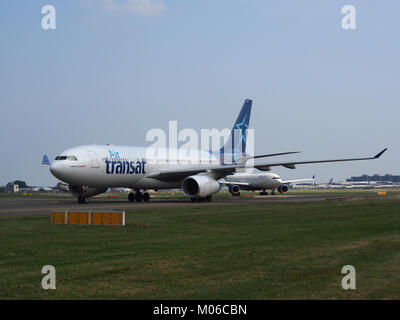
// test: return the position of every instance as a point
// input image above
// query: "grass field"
(260, 251)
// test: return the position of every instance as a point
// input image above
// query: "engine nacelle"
(283, 188)
(90, 192)
(200, 186)
(234, 189)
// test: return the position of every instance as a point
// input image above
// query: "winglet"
(46, 160)
(380, 153)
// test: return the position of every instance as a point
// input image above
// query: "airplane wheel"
(139, 196)
(272, 193)
(209, 198)
(131, 197)
(83, 199)
(146, 196)
(193, 199)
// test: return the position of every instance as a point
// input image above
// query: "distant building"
(11, 187)
(376, 177)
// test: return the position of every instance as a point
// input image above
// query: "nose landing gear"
(84, 199)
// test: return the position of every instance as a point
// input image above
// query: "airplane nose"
(55, 170)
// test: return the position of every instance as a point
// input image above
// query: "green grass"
(35, 195)
(260, 251)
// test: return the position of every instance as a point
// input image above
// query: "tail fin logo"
(243, 131)
(235, 146)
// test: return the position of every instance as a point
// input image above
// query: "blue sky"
(112, 70)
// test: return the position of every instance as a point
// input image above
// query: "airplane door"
(94, 160)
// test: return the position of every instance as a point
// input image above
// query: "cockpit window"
(276, 178)
(71, 158)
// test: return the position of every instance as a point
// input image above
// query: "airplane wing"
(298, 180)
(292, 165)
(178, 174)
(221, 171)
(223, 181)
(269, 155)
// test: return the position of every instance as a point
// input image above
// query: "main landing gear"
(138, 196)
(208, 199)
(265, 193)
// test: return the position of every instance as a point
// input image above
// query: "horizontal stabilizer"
(46, 160)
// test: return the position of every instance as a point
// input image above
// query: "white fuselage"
(256, 181)
(122, 166)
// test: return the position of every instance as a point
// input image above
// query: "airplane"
(92, 169)
(251, 179)
(325, 185)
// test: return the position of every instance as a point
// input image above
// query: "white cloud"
(143, 7)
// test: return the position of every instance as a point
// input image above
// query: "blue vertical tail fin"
(235, 147)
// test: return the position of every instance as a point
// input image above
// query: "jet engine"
(200, 186)
(283, 188)
(89, 192)
(234, 189)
